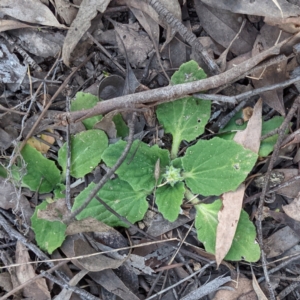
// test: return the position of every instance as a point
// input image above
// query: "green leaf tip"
(188, 72)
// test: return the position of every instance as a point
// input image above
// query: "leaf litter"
(43, 42)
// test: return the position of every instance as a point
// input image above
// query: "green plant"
(209, 167)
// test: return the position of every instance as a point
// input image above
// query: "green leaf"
(49, 235)
(188, 72)
(185, 118)
(169, 199)
(3, 172)
(216, 166)
(42, 173)
(85, 101)
(244, 246)
(139, 166)
(267, 145)
(87, 148)
(120, 196)
(122, 128)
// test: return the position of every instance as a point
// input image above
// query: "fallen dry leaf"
(280, 241)
(87, 11)
(242, 287)
(11, 24)
(266, 8)
(39, 145)
(232, 202)
(259, 293)
(32, 11)
(293, 209)
(292, 190)
(37, 289)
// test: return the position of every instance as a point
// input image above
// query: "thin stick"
(274, 156)
(171, 93)
(30, 133)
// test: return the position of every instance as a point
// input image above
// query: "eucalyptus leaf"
(86, 151)
(85, 101)
(244, 246)
(48, 235)
(168, 200)
(216, 166)
(139, 167)
(41, 173)
(120, 196)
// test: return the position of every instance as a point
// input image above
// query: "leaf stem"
(175, 146)
(190, 196)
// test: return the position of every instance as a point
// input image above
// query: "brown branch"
(171, 93)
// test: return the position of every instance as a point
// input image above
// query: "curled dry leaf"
(232, 201)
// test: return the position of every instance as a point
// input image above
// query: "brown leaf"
(76, 246)
(280, 241)
(55, 211)
(273, 74)
(292, 190)
(31, 11)
(37, 289)
(250, 137)
(11, 24)
(242, 288)
(39, 145)
(223, 26)
(293, 209)
(232, 201)
(228, 218)
(266, 8)
(260, 294)
(87, 11)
